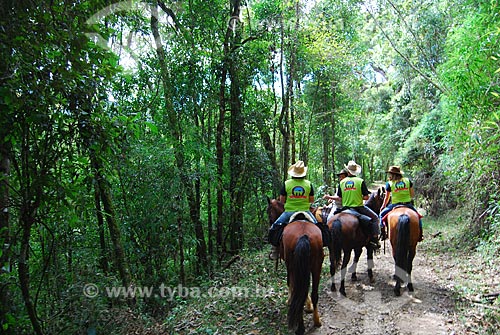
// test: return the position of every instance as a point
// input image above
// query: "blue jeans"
(285, 218)
(276, 229)
(391, 206)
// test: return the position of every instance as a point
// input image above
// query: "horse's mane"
(372, 201)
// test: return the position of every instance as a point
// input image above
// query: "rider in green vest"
(353, 191)
(399, 192)
(297, 194)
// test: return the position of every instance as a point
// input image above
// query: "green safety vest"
(351, 192)
(400, 190)
(297, 195)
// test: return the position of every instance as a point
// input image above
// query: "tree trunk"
(174, 126)
(100, 225)
(237, 129)
(5, 300)
(236, 162)
(26, 222)
(114, 230)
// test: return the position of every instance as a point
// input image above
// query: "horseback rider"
(399, 192)
(352, 191)
(335, 198)
(297, 194)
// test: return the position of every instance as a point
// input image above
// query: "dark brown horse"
(346, 236)
(403, 233)
(302, 250)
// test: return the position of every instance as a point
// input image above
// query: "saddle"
(302, 216)
(275, 235)
(363, 219)
(384, 219)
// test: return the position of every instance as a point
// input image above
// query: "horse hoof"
(372, 280)
(410, 287)
(343, 293)
(397, 292)
(333, 288)
(354, 277)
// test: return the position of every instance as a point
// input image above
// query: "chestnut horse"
(301, 248)
(346, 236)
(403, 233)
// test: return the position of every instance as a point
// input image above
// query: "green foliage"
(424, 95)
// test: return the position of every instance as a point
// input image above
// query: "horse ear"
(268, 200)
(378, 192)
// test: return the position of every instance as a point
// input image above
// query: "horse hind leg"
(354, 266)
(343, 271)
(411, 256)
(369, 260)
(332, 270)
(397, 287)
(308, 308)
(316, 275)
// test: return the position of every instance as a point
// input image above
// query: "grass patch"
(248, 298)
(468, 266)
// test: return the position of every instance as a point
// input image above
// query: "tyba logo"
(298, 192)
(400, 186)
(349, 185)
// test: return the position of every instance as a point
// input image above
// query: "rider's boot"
(421, 235)
(274, 253)
(383, 233)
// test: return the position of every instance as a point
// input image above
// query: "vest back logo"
(349, 186)
(298, 192)
(400, 186)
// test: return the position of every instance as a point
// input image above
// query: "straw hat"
(353, 168)
(395, 170)
(297, 170)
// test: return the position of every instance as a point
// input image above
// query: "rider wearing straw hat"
(297, 194)
(353, 191)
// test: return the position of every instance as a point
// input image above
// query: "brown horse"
(302, 250)
(403, 234)
(346, 236)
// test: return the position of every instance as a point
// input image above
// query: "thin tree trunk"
(26, 222)
(5, 301)
(237, 129)
(174, 127)
(114, 230)
(103, 259)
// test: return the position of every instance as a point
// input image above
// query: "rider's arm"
(364, 191)
(283, 194)
(386, 199)
(282, 198)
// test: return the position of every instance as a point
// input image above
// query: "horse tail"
(301, 280)
(337, 242)
(403, 247)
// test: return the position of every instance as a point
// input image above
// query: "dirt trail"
(372, 308)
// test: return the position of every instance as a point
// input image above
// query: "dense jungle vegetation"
(139, 140)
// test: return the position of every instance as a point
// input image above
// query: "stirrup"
(375, 244)
(274, 254)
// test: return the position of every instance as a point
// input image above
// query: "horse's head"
(274, 209)
(376, 200)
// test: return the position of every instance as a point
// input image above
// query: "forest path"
(372, 308)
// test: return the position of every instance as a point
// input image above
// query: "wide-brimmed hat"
(353, 168)
(297, 170)
(395, 169)
(343, 171)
